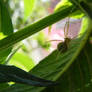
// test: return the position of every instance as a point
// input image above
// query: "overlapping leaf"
(84, 5)
(13, 38)
(78, 77)
(55, 69)
(14, 74)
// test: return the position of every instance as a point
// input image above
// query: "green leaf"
(34, 28)
(84, 6)
(77, 14)
(78, 78)
(61, 4)
(28, 8)
(55, 68)
(6, 28)
(11, 55)
(3, 86)
(14, 74)
(22, 61)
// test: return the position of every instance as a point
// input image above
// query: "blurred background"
(37, 47)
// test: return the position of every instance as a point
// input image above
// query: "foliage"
(28, 8)
(72, 69)
(6, 28)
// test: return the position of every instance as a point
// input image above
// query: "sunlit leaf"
(22, 61)
(63, 3)
(11, 55)
(28, 8)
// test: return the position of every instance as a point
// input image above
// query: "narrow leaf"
(11, 55)
(14, 74)
(6, 28)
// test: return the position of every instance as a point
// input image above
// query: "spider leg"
(67, 26)
(54, 40)
(64, 29)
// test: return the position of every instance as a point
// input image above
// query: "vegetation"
(70, 71)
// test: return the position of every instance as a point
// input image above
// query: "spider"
(63, 45)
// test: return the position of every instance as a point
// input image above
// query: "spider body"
(63, 46)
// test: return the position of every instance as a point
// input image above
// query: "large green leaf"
(28, 8)
(6, 28)
(54, 68)
(78, 78)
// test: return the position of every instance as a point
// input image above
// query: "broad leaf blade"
(52, 68)
(78, 77)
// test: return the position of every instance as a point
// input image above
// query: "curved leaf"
(77, 14)
(78, 78)
(54, 69)
(57, 68)
(14, 74)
